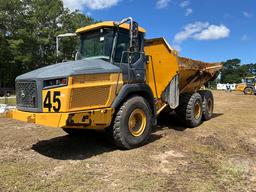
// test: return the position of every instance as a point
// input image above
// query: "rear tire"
(248, 91)
(208, 104)
(190, 109)
(132, 124)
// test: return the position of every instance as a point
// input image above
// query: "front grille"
(89, 96)
(26, 94)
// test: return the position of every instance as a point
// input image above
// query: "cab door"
(131, 63)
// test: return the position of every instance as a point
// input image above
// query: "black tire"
(122, 134)
(208, 104)
(190, 109)
(248, 91)
(76, 132)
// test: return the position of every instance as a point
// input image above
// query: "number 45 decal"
(49, 101)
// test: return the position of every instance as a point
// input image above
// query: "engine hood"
(65, 69)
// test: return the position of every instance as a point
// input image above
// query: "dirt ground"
(219, 155)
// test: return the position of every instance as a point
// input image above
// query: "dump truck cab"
(120, 82)
(116, 44)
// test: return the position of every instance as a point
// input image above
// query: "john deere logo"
(22, 93)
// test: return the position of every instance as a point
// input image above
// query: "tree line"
(233, 71)
(28, 30)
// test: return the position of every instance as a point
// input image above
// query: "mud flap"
(171, 93)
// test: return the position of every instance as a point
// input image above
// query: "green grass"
(8, 101)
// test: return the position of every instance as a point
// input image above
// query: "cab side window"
(123, 45)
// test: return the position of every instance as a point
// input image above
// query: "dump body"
(194, 74)
(164, 64)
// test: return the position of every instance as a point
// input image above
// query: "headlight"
(55, 82)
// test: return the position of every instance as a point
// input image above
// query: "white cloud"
(73, 4)
(91, 4)
(201, 31)
(177, 47)
(247, 14)
(162, 3)
(100, 4)
(213, 32)
(184, 4)
(189, 31)
(189, 11)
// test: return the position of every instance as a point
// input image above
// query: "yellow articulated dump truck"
(119, 82)
(248, 87)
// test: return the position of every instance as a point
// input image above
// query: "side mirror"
(135, 29)
(134, 36)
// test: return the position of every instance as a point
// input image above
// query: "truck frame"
(120, 83)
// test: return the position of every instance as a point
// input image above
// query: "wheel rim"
(209, 106)
(248, 91)
(197, 110)
(137, 122)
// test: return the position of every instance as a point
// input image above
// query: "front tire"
(132, 124)
(190, 109)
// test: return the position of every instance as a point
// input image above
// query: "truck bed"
(165, 60)
(194, 74)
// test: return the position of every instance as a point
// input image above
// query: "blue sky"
(201, 29)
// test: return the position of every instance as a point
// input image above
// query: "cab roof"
(105, 24)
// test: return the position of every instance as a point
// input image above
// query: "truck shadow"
(172, 121)
(94, 143)
(78, 148)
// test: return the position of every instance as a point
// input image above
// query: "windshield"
(97, 43)
(250, 81)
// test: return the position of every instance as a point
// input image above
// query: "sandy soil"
(219, 155)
